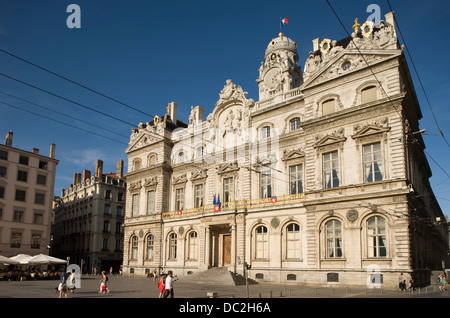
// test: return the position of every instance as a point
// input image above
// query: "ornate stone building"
(89, 215)
(323, 180)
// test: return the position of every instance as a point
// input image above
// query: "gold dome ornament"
(356, 26)
(325, 45)
(367, 28)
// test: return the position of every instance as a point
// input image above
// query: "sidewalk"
(141, 287)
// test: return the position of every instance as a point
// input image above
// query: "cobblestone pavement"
(141, 287)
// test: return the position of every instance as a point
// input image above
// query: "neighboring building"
(88, 224)
(323, 180)
(27, 181)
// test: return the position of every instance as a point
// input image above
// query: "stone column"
(233, 246)
(207, 260)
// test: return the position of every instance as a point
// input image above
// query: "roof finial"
(356, 26)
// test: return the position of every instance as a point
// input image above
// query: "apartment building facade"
(27, 181)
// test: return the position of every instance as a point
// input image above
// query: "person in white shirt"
(169, 285)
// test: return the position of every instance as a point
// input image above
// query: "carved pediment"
(265, 161)
(293, 154)
(369, 131)
(142, 139)
(342, 63)
(134, 185)
(199, 174)
(232, 92)
(180, 179)
(323, 142)
(227, 167)
(153, 181)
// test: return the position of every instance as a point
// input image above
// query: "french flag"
(284, 21)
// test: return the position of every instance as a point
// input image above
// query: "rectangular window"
(228, 194)
(296, 179)
(18, 216)
(266, 184)
(107, 210)
(20, 195)
(35, 241)
(38, 218)
(3, 155)
(265, 132)
(23, 160)
(2, 172)
(372, 162)
(106, 227)
(39, 198)
(105, 245)
(135, 205)
(198, 200)
(2, 192)
(179, 199)
(41, 179)
(330, 170)
(119, 211)
(16, 239)
(150, 202)
(108, 194)
(22, 175)
(43, 165)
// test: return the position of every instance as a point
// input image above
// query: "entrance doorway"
(227, 249)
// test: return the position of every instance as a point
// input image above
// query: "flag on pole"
(284, 21)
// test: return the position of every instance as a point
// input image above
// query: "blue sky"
(149, 53)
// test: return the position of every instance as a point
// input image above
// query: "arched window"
(261, 242)
(192, 245)
(150, 246)
(151, 160)
(173, 246)
(376, 237)
(199, 152)
(180, 158)
(328, 107)
(265, 132)
(293, 241)
(294, 123)
(134, 248)
(368, 94)
(137, 164)
(333, 238)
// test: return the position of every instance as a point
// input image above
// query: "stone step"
(216, 275)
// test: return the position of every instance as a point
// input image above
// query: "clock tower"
(279, 71)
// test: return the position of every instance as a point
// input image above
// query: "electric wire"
(76, 83)
(61, 122)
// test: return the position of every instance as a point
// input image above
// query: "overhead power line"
(60, 113)
(76, 83)
(68, 100)
(61, 122)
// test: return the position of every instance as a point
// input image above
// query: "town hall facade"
(322, 180)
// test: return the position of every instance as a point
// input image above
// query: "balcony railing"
(241, 204)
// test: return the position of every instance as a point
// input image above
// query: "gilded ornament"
(356, 26)
(367, 28)
(156, 120)
(325, 45)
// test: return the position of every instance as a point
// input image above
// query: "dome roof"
(282, 42)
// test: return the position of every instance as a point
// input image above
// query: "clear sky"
(149, 53)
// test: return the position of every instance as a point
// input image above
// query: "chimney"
(172, 110)
(119, 169)
(316, 44)
(86, 175)
(198, 114)
(99, 169)
(36, 151)
(9, 139)
(52, 150)
(75, 177)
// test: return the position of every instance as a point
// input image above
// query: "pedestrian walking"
(71, 282)
(401, 283)
(63, 285)
(442, 282)
(169, 285)
(162, 286)
(103, 284)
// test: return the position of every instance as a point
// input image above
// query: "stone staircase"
(216, 276)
